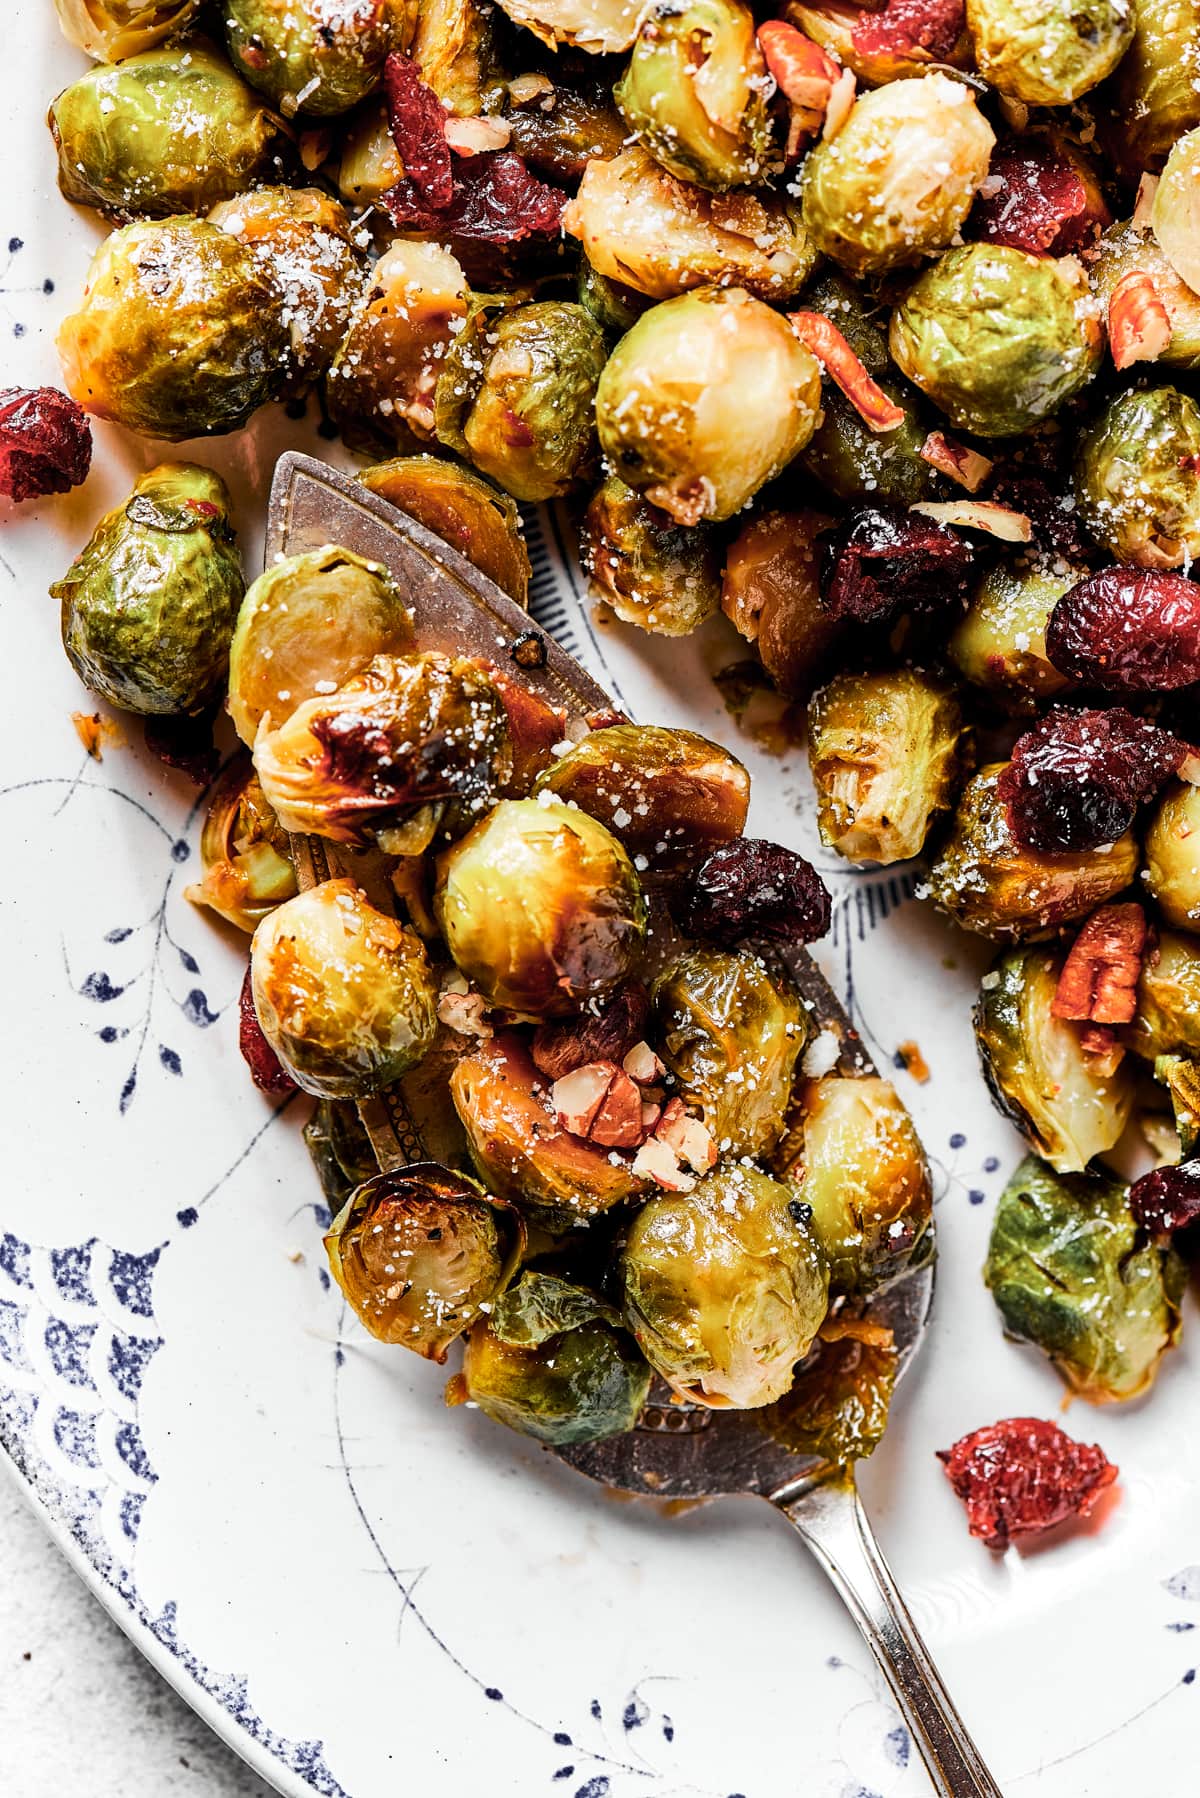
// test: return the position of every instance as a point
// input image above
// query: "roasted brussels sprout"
(313, 58)
(345, 996)
(411, 746)
(111, 30)
(1066, 1104)
(1136, 480)
(148, 607)
(731, 1033)
(1127, 249)
(419, 1253)
(1168, 1001)
(1176, 209)
(453, 47)
(553, 1362)
(1048, 55)
(838, 1406)
(1180, 1074)
(998, 339)
(1067, 1269)
(725, 1288)
(896, 182)
(1000, 642)
(540, 907)
(516, 395)
(614, 305)
(989, 883)
(369, 162)
(640, 226)
(244, 849)
(708, 397)
(180, 332)
(306, 625)
(886, 752)
(482, 524)
(662, 576)
(771, 594)
(599, 27)
(1173, 856)
(1153, 97)
(559, 131)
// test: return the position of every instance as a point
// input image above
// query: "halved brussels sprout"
(601, 27)
(709, 396)
(998, 339)
(1048, 55)
(540, 907)
(412, 746)
(557, 133)
(991, 884)
(1071, 1272)
(1176, 210)
(668, 795)
(345, 996)
(886, 752)
(370, 162)
(853, 1155)
(838, 1406)
(1168, 1001)
(725, 1288)
(180, 331)
(662, 576)
(453, 47)
(640, 226)
(731, 1033)
(771, 593)
(1154, 97)
(1180, 1074)
(313, 58)
(1127, 249)
(1066, 1106)
(340, 1150)
(1173, 856)
(306, 625)
(111, 30)
(420, 1253)
(999, 644)
(517, 392)
(467, 511)
(1136, 480)
(247, 863)
(148, 606)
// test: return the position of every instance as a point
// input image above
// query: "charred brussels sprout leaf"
(245, 852)
(614, 305)
(838, 1407)
(466, 511)
(1000, 642)
(111, 30)
(662, 576)
(1181, 1077)
(340, 1149)
(1048, 54)
(1137, 478)
(1168, 1000)
(554, 1364)
(1173, 857)
(311, 58)
(384, 377)
(538, 1306)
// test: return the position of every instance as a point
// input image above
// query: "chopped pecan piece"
(956, 461)
(804, 75)
(657, 1161)
(1139, 325)
(842, 366)
(600, 1103)
(1098, 984)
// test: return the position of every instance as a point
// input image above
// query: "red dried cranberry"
(1053, 516)
(903, 26)
(1040, 203)
(1128, 630)
(266, 1069)
(418, 122)
(1167, 1199)
(1023, 1475)
(45, 443)
(1076, 779)
(496, 211)
(185, 744)
(881, 562)
(607, 1035)
(749, 888)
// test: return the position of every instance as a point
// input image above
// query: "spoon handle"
(831, 1520)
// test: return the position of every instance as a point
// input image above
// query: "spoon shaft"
(831, 1520)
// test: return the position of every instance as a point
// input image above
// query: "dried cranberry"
(1076, 779)
(497, 208)
(1168, 1199)
(185, 744)
(1037, 200)
(903, 26)
(749, 888)
(45, 442)
(882, 562)
(418, 122)
(1128, 630)
(1023, 1475)
(266, 1069)
(1053, 516)
(607, 1035)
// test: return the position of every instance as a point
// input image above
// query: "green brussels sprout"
(1181, 1077)
(345, 995)
(1173, 856)
(554, 1363)
(641, 227)
(731, 1033)
(1048, 55)
(1176, 209)
(306, 625)
(340, 1150)
(613, 305)
(771, 594)
(420, 1253)
(709, 396)
(559, 131)
(998, 339)
(725, 1288)
(886, 752)
(1068, 1107)
(540, 907)
(694, 92)
(111, 30)
(463, 509)
(1168, 999)
(166, 132)
(453, 46)
(668, 795)
(248, 869)
(991, 884)
(854, 1157)
(312, 58)
(369, 162)
(599, 27)
(1154, 97)
(662, 576)
(1071, 1272)
(896, 182)
(516, 395)
(1136, 480)
(999, 643)
(148, 607)
(180, 332)
(1127, 249)
(838, 1406)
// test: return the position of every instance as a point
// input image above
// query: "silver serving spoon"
(676, 1451)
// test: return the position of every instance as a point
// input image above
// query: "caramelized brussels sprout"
(725, 1288)
(1069, 1272)
(838, 1406)
(1154, 98)
(111, 30)
(464, 510)
(412, 745)
(148, 607)
(998, 339)
(516, 395)
(771, 594)
(1168, 1001)
(179, 334)
(709, 396)
(600, 27)
(313, 58)
(1066, 1105)
(640, 226)
(540, 907)
(560, 132)
(307, 624)
(1000, 641)
(1176, 209)
(886, 752)
(244, 849)
(345, 996)
(1127, 249)
(419, 1253)
(1173, 856)
(662, 576)
(1181, 1077)
(731, 1033)
(1136, 480)
(453, 46)
(369, 162)
(1048, 55)
(989, 883)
